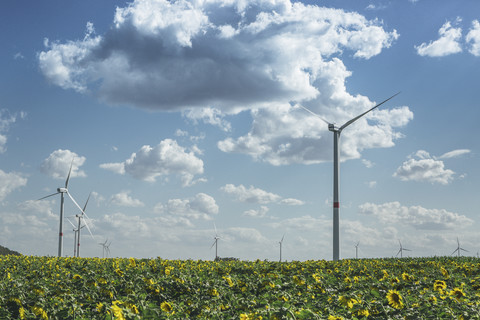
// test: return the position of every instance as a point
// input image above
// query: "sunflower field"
(92, 288)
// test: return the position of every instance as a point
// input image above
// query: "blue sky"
(181, 115)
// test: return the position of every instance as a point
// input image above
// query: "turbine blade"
(49, 196)
(213, 243)
(398, 252)
(69, 172)
(454, 252)
(215, 227)
(313, 113)
(85, 206)
(79, 208)
(68, 219)
(282, 238)
(464, 250)
(89, 231)
(359, 116)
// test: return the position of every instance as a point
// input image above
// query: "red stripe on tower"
(336, 204)
(60, 234)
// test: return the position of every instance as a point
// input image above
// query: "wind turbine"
(356, 250)
(336, 172)
(106, 247)
(458, 249)
(215, 242)
(280, 243)
(62, 192)
(401, 250)
(81, 216)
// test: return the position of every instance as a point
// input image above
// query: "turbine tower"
(356, 250)
(458, 249)
(280, 243)
(336, 172)
(401, 250)
(62, 192)
(215, 242)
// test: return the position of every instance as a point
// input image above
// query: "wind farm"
(174, 124)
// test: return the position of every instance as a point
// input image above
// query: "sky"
(186, 119)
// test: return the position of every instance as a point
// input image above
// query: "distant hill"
(5, 251)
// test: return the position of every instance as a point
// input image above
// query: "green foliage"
(92, 288)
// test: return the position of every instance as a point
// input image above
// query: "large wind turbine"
(280, 243)
(336, 172)
(215, 242)
(401, 250)
(62, 192)
(458, 249)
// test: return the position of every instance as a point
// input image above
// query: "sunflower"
(458, 294)
(167, 307)
(395, 299)
(439, 285)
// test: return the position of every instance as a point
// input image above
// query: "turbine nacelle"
(331, 127)
(62, 190)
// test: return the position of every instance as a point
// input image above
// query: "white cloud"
(226, 55)
(211, 116)
(260, 213)
(6, 119)
(292, 202)
(286, 134)
(9, 182)
(448, 42)
(454, 153)
(473, 38)
(202, 206)
(393, 213)
(58, 163)
(251, 195)
(124, 199)
(425, 168)
(162, 160)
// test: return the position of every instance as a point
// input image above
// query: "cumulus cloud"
(211, 116)
(259, 213)
(165, 159)
(251, 194)
(424, 168)
(9, 182)
(124, 199)
(57, 164)
(473, 38)
(288, 134)
(448, 42)
(225, 54)
(392, 213)
(202, 206)
(211, 59)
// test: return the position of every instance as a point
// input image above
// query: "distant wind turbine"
(336, 172)
(356, 250)
(458, 249)
(401, 250)
(280, 243)
(81, 216)
(215, 242)
(62, 192)
(106, 247)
